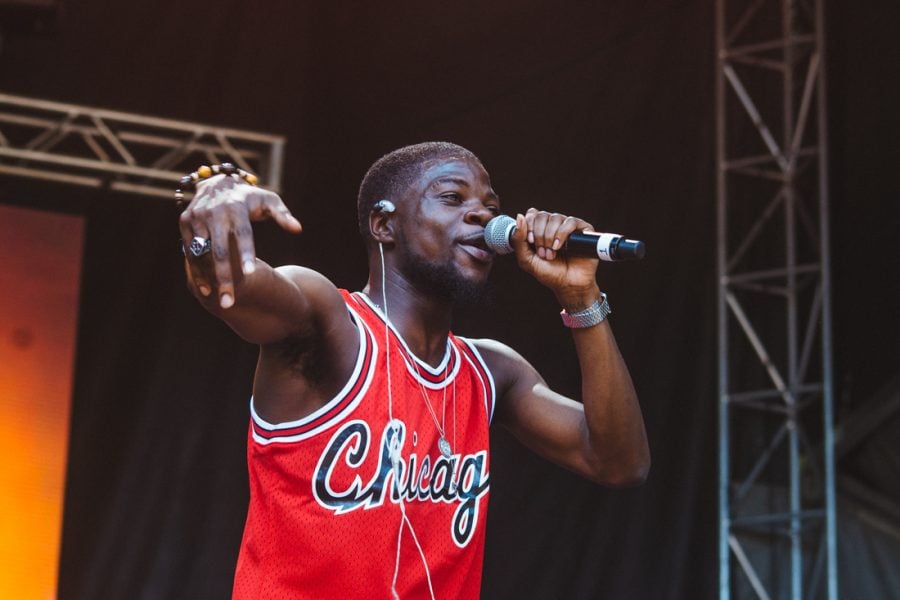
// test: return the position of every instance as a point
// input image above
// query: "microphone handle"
(605, 246)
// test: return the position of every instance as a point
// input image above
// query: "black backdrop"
(604, 110)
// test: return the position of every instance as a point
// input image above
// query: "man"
(368, 448)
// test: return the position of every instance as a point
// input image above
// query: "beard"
(444, 281)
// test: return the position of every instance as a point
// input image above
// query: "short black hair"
(394, 172)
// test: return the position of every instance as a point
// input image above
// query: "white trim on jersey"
(492, 400)
(438, 371)
(367, 368)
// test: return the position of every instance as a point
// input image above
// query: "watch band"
(590, 316)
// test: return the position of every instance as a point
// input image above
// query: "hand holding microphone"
(593, 244)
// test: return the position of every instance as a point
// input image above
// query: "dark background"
(605, 110)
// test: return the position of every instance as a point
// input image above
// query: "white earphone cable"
(394, 449)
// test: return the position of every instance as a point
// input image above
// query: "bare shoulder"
(495, 352)
(313, 317)
(321, 293)
(507, 366)
(304, 277)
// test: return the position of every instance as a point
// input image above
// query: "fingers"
(222, 264)
(263, 204)
(189, 230)
(548, 232)
(222, 211)
(281, 215)
(212, 270)
(524, 254)
(246, 247)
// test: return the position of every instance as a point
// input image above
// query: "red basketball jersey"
(327, 502)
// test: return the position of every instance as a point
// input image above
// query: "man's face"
(441, 239)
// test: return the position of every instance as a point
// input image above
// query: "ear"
(381, 222)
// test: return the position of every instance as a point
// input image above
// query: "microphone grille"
(497, 232)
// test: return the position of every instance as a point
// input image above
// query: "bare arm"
(603, 437)
(283, 310)
(222, 211)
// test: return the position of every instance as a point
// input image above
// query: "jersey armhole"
(473, 356)
(335, 410)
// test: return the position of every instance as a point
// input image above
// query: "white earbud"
(385, 206)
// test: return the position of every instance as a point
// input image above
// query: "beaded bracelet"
(205, 172)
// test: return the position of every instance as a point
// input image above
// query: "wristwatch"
(590, 316)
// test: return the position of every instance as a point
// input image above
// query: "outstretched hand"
(538, 238)
(221, 211)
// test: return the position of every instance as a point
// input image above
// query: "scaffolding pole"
(776, 481)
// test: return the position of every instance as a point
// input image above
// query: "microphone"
(593, 244)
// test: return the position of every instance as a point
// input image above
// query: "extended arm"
(291, 312)
(263, 305)
(602, 437)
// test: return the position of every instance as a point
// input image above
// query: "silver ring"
(199, 246)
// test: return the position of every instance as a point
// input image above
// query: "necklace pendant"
(444, 447)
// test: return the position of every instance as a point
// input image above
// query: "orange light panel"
(40, 269)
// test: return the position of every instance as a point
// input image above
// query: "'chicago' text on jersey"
(460, 478)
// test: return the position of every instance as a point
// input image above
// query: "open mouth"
(475, 247)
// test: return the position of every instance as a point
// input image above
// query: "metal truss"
(121, 151)
(776, 447)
